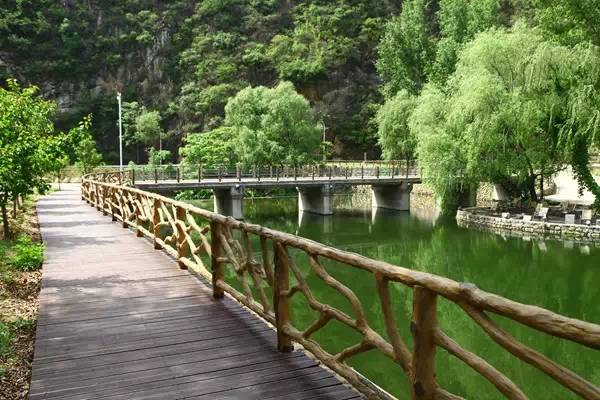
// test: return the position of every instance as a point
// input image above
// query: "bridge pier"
(316, 199)
(391, 197)
(230, 201)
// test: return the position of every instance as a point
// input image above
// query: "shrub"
(28, 256)
(6, 338)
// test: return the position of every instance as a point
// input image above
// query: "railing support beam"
(281, 301)
(423, 327)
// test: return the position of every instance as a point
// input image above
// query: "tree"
(395, 137)
(210, 148)
(87, 156)
(517, 107)
(26, 151)
(273, 125)
(149, 132)
(407, 49)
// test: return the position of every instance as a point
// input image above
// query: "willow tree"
(395, 138)
(502, 114)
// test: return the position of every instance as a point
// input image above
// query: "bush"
(6, 338)
(28, 256)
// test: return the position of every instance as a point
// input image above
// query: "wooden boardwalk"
(119, 320)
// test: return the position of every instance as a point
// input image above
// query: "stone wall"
(470, 218)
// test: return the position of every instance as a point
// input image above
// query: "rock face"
(470, 218)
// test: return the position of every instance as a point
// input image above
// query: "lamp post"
(120, 132)
(324, 138)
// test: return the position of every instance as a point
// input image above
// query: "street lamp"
(120, 132)
(324, 138)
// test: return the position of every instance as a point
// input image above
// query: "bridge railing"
(267, 276)
(329, 170)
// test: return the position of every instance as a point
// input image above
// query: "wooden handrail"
(192, 234)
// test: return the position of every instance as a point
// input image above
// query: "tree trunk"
(531, 187)
(5, 223)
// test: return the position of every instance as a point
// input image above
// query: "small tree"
(25, 144)
(395, 136)
(273, 125)
(86, 153)
(157, 157)
(210, 148)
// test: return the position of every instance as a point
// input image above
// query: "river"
(561, 276)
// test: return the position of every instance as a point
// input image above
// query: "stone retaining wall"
(468, 218)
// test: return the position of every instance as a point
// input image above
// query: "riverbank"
(480, 218)
(20, 277)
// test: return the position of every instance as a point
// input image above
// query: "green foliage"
(517, 106)
(273, 126)
(197, 194)
(395, 137)
(27, 256)
(211, 148)
(6, 339)
(157, 157)
(27, 149)
(87, 156)
(147, 127)
(407, 49)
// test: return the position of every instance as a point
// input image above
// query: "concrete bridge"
(390, 183)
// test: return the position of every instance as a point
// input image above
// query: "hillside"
(187, 58)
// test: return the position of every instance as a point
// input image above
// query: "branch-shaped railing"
(268, 278)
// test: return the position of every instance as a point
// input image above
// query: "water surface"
(561, 276)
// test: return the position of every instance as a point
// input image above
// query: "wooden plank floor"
(119, 320)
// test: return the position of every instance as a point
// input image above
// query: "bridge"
(121, 320)
(390, 182)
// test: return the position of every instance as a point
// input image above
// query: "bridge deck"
(119, 320)
(172, 184)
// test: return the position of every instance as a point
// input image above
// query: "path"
(119, 320)
(567, 190)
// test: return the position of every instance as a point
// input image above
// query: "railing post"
(138, 220)
(258, 174)
(113, 198)
(281, 301)
(407, 166)
(180, 214)
(377, 172)
(156, 223)
(238, 172)
(178, 174)
(155, 175)
(277, 173)
(219, 173)
(330, 172)
(133, 176)
(200, 173)
(313, 172)
(423, 327)
(216, 255)
(104, 191)
(362, 171)
(295, 173)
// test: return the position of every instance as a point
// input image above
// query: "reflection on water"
(561, 276)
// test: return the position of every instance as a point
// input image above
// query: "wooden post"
(313, 172)
(281, 301)
(362, 171)
(138, 220)
(423, 327)
(180, 217)
(178, 174)
(112, 206)
(277, 173)
(295, 173)
(155, 175)
(258, 174)
(133, 176)
(219, 173)
(156, 223)
(377, 172)
(200, 173)
(216, 255)
(238, 172)
(330, 172)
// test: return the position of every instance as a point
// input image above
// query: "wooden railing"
(269, 278)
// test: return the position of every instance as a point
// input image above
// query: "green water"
(560, 276)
